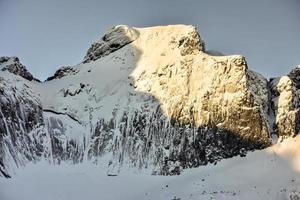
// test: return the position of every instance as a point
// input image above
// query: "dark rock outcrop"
(63, 71)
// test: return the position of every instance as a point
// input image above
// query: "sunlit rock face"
(194, 87)
(146, 98)
(285, 99)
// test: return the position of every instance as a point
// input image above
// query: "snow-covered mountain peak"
(148, 98)
(114, 39)
(13, 65)
(6, 60)
(121, 35)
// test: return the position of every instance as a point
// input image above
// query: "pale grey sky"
(49, 34)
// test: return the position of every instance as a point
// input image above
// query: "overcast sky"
(46, 35)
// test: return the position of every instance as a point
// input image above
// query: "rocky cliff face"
(148, 98)
(285, 99)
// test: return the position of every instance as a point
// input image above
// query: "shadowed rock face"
(21, 121)
(149, 98)
(147, 141)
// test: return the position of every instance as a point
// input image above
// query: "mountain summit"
(145, 98)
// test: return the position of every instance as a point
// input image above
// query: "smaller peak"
(115, 38)
(13, 65)
(8, 59)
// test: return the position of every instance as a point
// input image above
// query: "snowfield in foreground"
(273, 173)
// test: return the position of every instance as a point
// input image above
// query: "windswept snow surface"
(273, 173)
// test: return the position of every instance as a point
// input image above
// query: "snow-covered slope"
(142, 97)
(270, 174)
